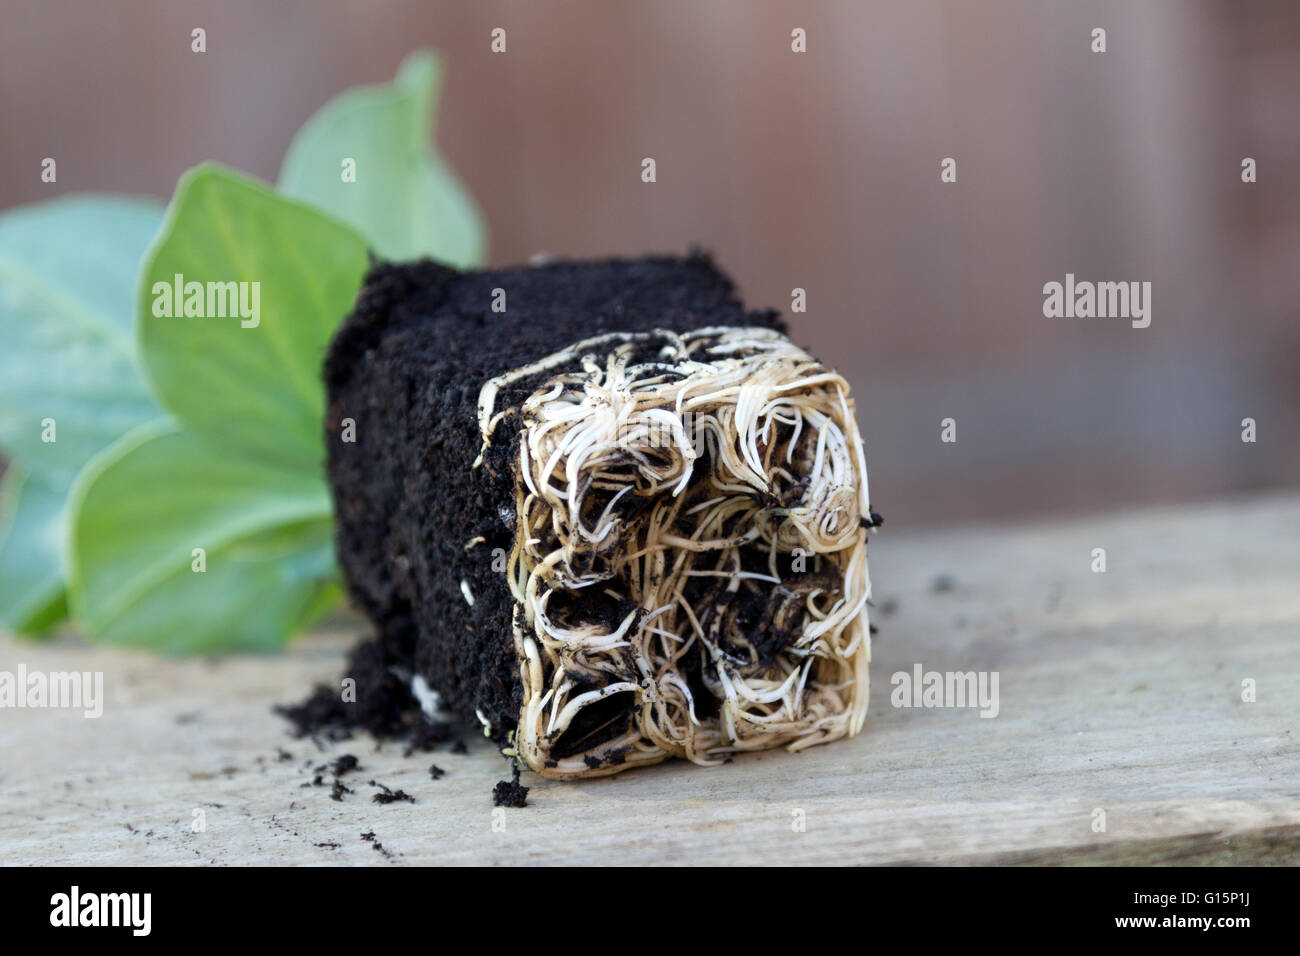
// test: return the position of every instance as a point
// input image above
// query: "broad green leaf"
(69, 384)
(67, 287)
(140, 510)
(248, 380)
(404, 199)
(31, 553)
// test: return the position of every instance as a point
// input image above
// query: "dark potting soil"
(390, 796)
(509, 793)
(403, 376)
(338, 790)
(383, 706)
(344, 764)
(375, 844)
(428, 735)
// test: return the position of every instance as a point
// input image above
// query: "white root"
(687, 505)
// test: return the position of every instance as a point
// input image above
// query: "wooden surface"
(1119, 691)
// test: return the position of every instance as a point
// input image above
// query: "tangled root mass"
(689, 562)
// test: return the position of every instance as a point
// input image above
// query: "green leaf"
(67, 372)
(140, 510)
(31, 553)
(67, 284)
(237, 481)
(249, 385)
(405, 199)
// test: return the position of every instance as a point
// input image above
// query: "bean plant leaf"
(161, 400)
(214, 531)
(182, 547)
(69, 383)
(238, 298)
(31, 553)
(367, 157)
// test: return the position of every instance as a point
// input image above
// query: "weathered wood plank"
(1119, 691)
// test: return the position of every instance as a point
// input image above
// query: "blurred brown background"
(818, 170)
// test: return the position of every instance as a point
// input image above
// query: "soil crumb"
(390, 796)
(338, 790)
(345, 764)
(509, 793)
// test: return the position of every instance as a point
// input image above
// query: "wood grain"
(1119, 691)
